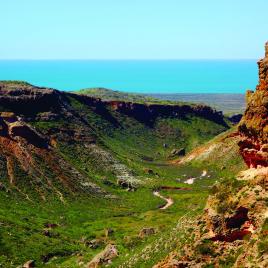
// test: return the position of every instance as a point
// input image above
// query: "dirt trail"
(169, 201)
(10, 170)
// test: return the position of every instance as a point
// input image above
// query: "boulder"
(149, 171)
(146, 232)
(29, 264)
(108, 232)
(104, 257)
(178, 152)
(123, 183)
(126, 184)
(95, 243)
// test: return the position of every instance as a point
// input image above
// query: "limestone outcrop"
(12, 127)
(104, 257)
(254, 124)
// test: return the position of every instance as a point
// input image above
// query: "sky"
(133, 29)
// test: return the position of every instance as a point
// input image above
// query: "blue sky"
(133, 29)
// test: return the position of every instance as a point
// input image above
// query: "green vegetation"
(230, 104)
(107, 94)
(113, 95)
(15, 82)
(111, 145)
(44, 125)
(83, 219)
(263, 244)
(205, 248)
(223, 191)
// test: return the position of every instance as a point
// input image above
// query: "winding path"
(169, 201)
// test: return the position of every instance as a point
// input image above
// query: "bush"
(206, 248)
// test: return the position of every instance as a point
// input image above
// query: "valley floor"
(63, 233)
(81, 176)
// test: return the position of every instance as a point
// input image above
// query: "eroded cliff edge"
(254, 125)
(232, 232)
(38, 125)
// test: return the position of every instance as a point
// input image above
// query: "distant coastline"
(227, 102)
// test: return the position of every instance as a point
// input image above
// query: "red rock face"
(147, 113)
(254, 153)
(233, 236)
(29, 100)
(233, 228)
(253, 128)
(237, 220)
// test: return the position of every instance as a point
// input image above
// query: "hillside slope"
(233, 229)
(229, 104)
(73, 167)
(112, 95)
(59, 124)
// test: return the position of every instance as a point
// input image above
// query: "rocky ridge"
(44, 103)
(21, 142)
(254, 125)
(231, 231)
(21, 145)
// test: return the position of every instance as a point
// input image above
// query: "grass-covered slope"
(73, 166)
(232, 231)
(112, 95)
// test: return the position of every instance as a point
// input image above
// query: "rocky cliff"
(23, 98)
(35, 122)
(254, 125)
(29, 101)
(232, 232)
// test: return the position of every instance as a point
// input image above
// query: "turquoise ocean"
(140, 76)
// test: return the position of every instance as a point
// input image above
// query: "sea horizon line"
(130, 59)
